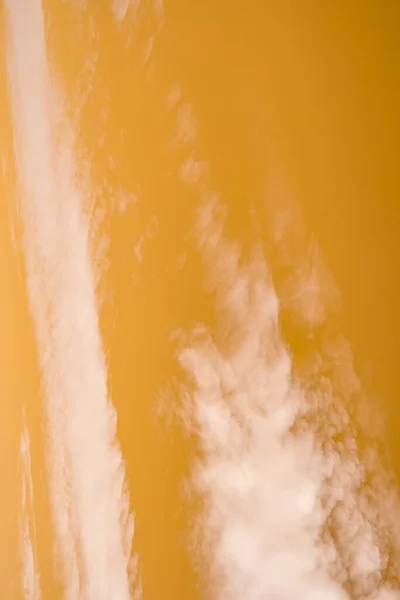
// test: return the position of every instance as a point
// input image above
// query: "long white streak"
(30, 574)
(90, 501)
(270, 470)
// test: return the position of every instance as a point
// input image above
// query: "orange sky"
(312, 91)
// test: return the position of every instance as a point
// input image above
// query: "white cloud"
(268, 489)
(30, 573)
(90, 500)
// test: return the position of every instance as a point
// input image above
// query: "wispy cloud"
(30, 574)
(259, 482)
(267, 474)
(92, 520)
(121, 7)
(361, 493)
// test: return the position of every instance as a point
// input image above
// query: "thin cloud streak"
(30, 574)
(92, 520)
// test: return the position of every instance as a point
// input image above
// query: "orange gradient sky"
(306, 94)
